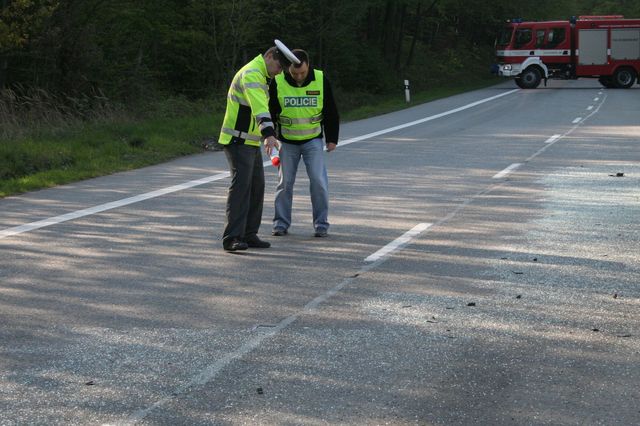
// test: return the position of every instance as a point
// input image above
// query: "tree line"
(127, 50)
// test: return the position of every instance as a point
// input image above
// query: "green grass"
(92, 150)
(99, 149)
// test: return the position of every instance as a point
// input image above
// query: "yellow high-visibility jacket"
(247, 118)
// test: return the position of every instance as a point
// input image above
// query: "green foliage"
(21, 19)
(136, 50)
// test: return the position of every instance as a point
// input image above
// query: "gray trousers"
(245, 197)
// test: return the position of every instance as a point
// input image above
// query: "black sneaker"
(234, 244)
(320, 233)
(279, 232)
(255, 242)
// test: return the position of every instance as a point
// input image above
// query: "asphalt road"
(508, 291)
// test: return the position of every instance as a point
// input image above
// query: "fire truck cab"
(602, 47)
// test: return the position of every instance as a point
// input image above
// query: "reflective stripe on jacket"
(247, 105)
(301, 116)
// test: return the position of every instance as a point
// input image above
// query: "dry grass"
(26, 111)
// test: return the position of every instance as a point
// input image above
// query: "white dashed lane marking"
(399, 242)
(506, 171)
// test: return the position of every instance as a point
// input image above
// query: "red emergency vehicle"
(602, 47)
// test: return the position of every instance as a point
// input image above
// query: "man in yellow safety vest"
(302, 104)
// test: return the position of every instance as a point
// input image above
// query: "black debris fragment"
(595, 329)
(471, 304)
(517, 272)
(519, 296)
(260, 391)
(90, 383)
(619, 174)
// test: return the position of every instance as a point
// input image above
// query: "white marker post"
(407, 95)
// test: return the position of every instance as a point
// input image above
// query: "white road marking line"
(507, 171)
(552, 139)
(567, 133)
(398, 242)
(108, 206)
(16, 230)
(590, 107)
(424, 120)
(576, 120)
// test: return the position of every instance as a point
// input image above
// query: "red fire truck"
(602, 47)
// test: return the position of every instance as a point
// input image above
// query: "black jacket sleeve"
(274, 105)
(330, 116)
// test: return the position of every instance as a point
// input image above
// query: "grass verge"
(94, 150)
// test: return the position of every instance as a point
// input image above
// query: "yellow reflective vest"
(247, 113)
(301, 116)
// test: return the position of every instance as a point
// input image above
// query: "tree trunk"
(400, 36)
(4, 62)
(4, 67)
(386, 32)
(416, 31)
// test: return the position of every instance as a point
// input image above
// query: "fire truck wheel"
(624, 78)
(606, 82)
(529, 78)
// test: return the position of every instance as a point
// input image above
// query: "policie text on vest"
(300, 101)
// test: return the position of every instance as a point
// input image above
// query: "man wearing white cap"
(302, 103)
(247, 121)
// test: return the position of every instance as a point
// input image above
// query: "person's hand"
(269, 143)
(331, 146)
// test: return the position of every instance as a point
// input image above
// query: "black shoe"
(320, 233)
(255, 242)
(279, 232)
(234, 244)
